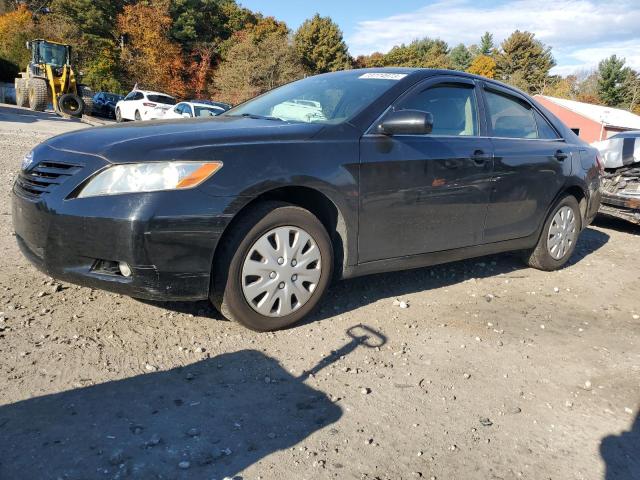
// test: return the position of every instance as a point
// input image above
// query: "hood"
(163, 139)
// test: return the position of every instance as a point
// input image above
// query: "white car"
(194, 109)
(144, 105)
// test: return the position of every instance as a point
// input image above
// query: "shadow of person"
(220, 415)
(621, 454)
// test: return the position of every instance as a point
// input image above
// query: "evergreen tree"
(460, 57)
(524, 62)
(486, 44)
(611, 80)
(320, 46)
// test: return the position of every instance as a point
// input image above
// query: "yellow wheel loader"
(50, 79)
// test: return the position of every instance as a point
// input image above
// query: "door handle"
(479, 157)
(560, 155)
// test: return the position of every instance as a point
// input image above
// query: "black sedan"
(104, 104)
(336, 175)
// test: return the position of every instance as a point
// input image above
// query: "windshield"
(328, 99)
(207, 111)
(52, 54)
(165, 99)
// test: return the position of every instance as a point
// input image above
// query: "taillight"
(599, 162)
(148, 104)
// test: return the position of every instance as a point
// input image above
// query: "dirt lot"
(494, 371)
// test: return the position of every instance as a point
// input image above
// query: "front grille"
(44, 178)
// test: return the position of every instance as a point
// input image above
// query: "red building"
(591, 123)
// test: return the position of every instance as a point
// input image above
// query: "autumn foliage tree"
(484, 66)
(148, 55)
(16, 28)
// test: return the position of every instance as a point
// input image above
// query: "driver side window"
(454, 108)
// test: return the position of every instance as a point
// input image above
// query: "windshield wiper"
(257, 117)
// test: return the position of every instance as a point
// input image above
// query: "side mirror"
(406, 122)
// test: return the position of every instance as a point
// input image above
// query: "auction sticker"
(384, 76)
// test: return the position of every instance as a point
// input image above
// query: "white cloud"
(581, 32)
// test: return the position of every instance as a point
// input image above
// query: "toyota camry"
(332, 176)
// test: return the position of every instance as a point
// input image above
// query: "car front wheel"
(559, 236)
(274, 267)
(118, 115)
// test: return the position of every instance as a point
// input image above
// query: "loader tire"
(22, 100)
(38, 94)
(71, 104)
(87, 98)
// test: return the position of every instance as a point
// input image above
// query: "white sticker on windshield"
(384, 76)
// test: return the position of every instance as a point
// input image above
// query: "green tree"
(612, 74)
(320, 46)
(94, 19)
(255, 64)
(102, 73)
(197, 21)
(486, 46)
(524, 62)
(426, 53)
(460, 57)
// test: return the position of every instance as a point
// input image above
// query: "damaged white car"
(620, 185)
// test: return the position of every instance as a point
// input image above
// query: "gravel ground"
(476, 369)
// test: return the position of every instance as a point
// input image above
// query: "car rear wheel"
(559, 236)
(274, 267)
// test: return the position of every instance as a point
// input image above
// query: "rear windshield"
(207, 111)
(167, 100)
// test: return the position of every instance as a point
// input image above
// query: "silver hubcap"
(281, 271)
(562, 233)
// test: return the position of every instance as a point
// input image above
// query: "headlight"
(149, 177)
(27, 160)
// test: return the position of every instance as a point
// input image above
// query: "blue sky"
(581, 32)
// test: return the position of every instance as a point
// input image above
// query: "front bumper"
(168, 238)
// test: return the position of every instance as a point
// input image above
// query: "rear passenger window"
(453, 108)
(510, 118)
(545, 130)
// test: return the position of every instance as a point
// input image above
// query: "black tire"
(137, 116)
(22, 99)
(38, 94)
(119, 118)
(87, 98)
(226, 289)
(71, 104)
(540, 257)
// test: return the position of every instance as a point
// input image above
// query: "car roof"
(151, 92)
(428, 72)
(202, 104)
(627, 134)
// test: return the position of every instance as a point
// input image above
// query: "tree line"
(219, 49)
